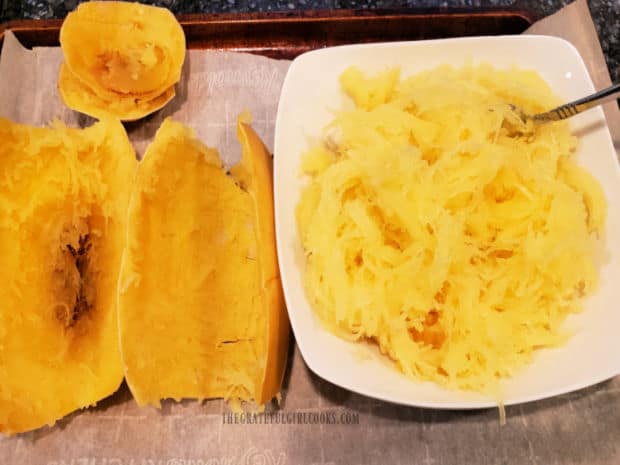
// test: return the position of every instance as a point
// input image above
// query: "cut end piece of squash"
(116, 52)
(200, 308)
(124, 47)
(64, 195)
(126, 107)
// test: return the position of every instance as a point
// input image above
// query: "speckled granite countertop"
(606, 13)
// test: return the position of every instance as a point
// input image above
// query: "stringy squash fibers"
(63, 202)
(433, 228)
(201, 309)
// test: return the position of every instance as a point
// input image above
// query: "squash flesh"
(191, 277)
(123, 47)
(80, 97)
(121, 59)
(62, 229)
(433, 229)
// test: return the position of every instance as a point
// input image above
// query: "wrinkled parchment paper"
(339, 427)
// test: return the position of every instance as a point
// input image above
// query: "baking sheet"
(317, 422)
(286, 34)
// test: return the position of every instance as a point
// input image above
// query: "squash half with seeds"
(63, 202)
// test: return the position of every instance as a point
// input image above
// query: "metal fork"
(569, 109)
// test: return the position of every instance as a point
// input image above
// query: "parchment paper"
(341, 427)
(574, 24)
(215, 88)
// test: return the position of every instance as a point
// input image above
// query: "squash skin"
(64, 194)
(120, 51)
(256, 173)
(203, 290)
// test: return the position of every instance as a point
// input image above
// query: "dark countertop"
(606, 13)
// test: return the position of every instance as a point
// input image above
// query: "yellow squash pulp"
(435, 229)
(127, 107)
(201, 308)
(64, 195)
(121, 58)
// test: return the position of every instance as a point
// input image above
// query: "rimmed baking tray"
(288, 34)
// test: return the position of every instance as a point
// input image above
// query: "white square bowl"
(311, 92)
